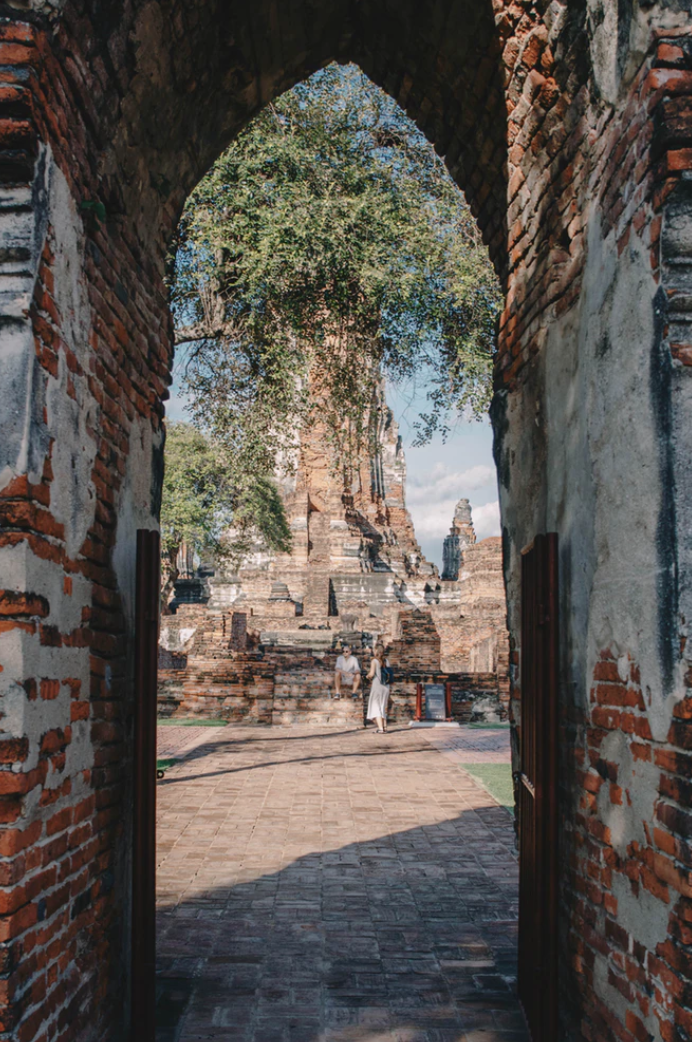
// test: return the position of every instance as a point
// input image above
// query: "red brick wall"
(606, 881)
(625, 854)
(630, 158)
(258, 688)
(63, 783)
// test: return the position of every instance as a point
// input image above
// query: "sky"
(438, 474)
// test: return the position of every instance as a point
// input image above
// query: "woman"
(379, 692)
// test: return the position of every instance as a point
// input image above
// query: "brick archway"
(568, 127)
(199, 74)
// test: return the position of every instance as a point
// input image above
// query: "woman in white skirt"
(379, 692)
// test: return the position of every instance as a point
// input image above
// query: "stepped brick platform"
(287, 685)
(213, 675)
(345, 712)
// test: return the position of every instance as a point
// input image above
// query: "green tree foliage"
(211, 507)
(328, 245)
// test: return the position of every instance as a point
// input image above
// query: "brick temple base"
(289, 685)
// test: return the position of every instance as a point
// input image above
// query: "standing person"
(379, 692)
(347, 672)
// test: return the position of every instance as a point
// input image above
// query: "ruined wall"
(204, 673)
(592, 432)
(471, 613)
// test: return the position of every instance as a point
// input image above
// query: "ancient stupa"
(267, 630)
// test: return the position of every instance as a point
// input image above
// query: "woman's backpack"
(387, 675)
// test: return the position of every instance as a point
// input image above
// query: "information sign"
(435, 702)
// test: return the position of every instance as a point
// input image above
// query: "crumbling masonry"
(258, 641)
(569, 127)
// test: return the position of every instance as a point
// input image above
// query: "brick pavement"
(471, 744)
(333, 887)
(174, 742)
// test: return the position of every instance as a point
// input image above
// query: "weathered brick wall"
(292, 685)
(417, 646)
(202, 672)
(471, 616)
(592, 423)
(568, 126)
(83, 368)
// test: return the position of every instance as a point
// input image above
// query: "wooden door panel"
(148, 592)
(537, 789)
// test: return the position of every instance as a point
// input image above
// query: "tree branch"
(202, 331)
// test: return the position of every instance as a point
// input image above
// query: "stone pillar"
(238, 640)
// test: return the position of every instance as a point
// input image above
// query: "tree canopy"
(326, 249)
(329, 243)
(209, 506)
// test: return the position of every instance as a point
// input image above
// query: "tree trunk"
(169, 575)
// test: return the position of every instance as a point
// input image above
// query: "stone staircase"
(294, 684)
(305, 696)
(282, 686)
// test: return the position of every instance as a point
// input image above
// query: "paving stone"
(315, 888)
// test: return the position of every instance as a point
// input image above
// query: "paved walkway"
(471, 744)
(332, 887)
(173, 742)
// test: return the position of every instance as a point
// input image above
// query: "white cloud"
(441, 484)
(486, 520)
(432, 520)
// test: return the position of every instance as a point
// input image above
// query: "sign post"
(435, 702)
(433, 705)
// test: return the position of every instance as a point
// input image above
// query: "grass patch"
(188, 721)
(496, 778)
(163, 765)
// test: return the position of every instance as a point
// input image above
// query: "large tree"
(210, 506)
(327, 247)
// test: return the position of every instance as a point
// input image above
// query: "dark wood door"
(148, 594)
(537, 789)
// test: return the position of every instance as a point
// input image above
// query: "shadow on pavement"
(410, 937)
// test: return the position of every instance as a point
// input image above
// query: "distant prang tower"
(461, 535)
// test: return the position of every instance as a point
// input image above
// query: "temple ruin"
(569, 128)
(355, 572)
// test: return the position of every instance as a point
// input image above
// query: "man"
(347, 672)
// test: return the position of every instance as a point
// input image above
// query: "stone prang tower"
(461, 535)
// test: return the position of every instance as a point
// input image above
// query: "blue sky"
(438, 474)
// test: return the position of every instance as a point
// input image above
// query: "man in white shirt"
(347, 672)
